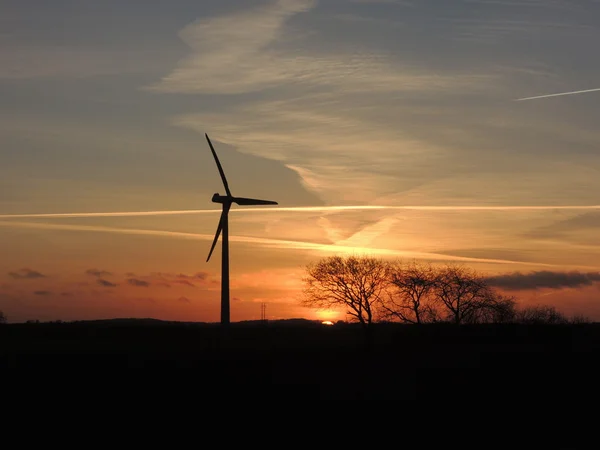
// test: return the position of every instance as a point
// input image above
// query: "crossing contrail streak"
(300, 209)
(557, 95)
(272, 243)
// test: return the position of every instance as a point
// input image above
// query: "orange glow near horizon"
(328, 315)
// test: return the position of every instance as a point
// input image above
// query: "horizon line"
(306, 209)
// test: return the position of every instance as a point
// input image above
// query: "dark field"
(306, 360)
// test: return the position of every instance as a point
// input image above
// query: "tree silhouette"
(411, 296)
(2, 318)
(463, 293)
(541, 314)
(495, 308)
(355, 282)
(416, 293)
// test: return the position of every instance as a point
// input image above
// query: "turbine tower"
(226, 201)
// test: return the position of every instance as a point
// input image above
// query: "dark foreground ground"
(305, 360)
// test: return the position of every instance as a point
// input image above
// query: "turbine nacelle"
(216, 198)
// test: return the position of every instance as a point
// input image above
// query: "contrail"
(272, 243)
(557, 95)
(300, 209)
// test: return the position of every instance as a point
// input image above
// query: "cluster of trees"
(372, 290)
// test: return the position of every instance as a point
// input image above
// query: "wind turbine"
(226, 201)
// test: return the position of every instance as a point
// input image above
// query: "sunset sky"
(393, 128)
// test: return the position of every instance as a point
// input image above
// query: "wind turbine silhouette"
(226, 201)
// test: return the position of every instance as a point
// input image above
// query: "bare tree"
(541, 314)
(411, 296)
(495, 308)
(2, 318)
(580, 319)
(421, 293)
(462, 292)
(355, 282)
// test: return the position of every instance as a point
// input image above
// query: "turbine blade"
(252, 201)
(219, 228)
(218, 166)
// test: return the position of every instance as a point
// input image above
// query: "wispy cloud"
(347, 149)
(97, 273)
(233, 53)
(26, 274)
(43, 293)
(357, 119)
(138, 283)
(106, 283)
(250, 50)
(165, 279)
(386, 124)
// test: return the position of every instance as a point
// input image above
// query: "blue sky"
(103, 107)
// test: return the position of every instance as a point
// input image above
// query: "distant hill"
(288, 322)
(145, 322)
